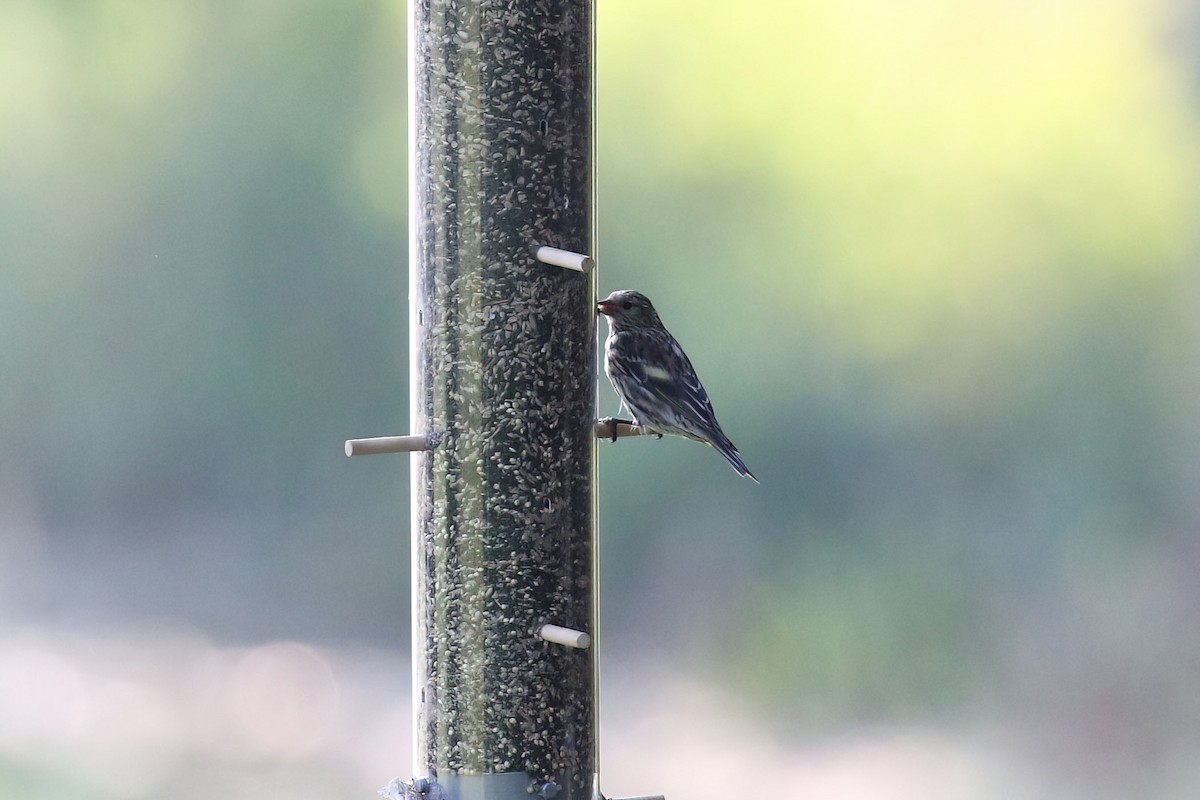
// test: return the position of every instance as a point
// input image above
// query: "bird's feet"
(612, 423)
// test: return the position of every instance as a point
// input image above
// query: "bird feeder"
(503, 401)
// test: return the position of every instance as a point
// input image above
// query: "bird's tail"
(730, 452)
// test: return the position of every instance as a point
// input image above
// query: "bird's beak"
(606, 307)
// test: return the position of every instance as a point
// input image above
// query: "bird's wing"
(664, 370)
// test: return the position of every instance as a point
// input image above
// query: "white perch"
(386, 444)
(565, 259)
(567, 637)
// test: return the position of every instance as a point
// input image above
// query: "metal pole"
(503, 380)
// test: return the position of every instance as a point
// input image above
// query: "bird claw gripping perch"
(610, 423)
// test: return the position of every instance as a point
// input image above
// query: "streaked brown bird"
(654, 378)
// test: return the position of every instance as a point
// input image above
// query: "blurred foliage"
(203, 295)
(939, 281)
(934, 261)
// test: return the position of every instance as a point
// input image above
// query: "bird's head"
(627, 310)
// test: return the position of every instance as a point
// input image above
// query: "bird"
(654, 378)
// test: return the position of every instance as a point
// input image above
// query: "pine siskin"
(655, 380)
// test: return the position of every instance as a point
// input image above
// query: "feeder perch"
(565, 259)
(387, 444)
(567, 637)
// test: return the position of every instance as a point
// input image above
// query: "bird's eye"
(627, 305)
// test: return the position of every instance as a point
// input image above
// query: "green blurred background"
(935, 261)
